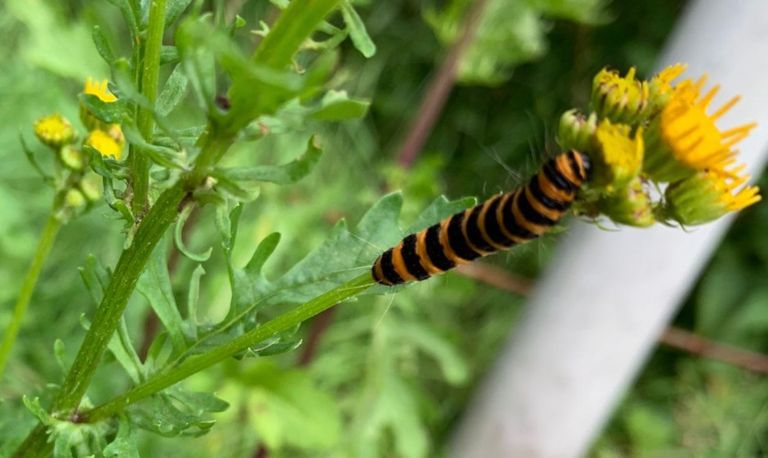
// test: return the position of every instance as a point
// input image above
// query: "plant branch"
(44, 245)
(150, 70)
(439, 89)
(202, 361)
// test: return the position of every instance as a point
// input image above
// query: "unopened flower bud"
(55, 131)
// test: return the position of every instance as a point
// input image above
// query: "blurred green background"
(391, 375)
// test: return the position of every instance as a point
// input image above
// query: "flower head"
(619, 154)
(577, 131)
(104, 143)
(707, 196)
(54, 130)
(100, 90)
(686, 138)
(619, 98)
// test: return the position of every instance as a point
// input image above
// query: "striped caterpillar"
(497, 224)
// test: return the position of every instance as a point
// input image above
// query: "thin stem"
(150, 70)
(200, 362)
(439, 89)
(44, 245)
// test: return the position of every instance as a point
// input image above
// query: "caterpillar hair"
(497, 224)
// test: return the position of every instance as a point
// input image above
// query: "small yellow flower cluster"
(78, 187)
(107, 139)
(646, 135)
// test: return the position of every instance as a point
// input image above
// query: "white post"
(599, 310)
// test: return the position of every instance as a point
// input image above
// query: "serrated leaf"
(338, 106)
(280, 174)
(357, 32)
(102, 45)
(173, 92)
(155, 285)
(439, 208)
(108, 112)
(178, 411)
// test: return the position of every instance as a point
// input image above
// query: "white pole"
(599, 310)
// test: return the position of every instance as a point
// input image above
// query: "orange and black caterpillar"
(497, 224)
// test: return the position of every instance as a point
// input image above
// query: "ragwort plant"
(284, 85)
(169, 170)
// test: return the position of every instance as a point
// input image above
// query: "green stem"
(200, 362)
(150, 71)
(27, 287)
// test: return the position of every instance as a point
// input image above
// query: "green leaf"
(286, 401)
(173, 92)
(357, 32)
(169, 55)
(178, 237)
(453, 365)
(280, 174)
(125, 443)
(96, 278)
(160, 155)
(102, 45)
(108, 112)
(337, 106)
(155, 285)
(174, 9)
(262, 253)
(121, 347)
(33, 405)
(440, 208)
(192, 298)
(178, 411)
(131, 15)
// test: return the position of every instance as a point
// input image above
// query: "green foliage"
(509, 32)
(393, 373)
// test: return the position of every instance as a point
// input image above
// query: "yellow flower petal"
(104, 144)
(100, 90)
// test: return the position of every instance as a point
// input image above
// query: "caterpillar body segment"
(497, 224)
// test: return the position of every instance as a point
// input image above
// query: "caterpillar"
(497, 224)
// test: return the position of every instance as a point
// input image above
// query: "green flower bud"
(620, 99)
(629, 205)
(72, 157)
(705, 197)
(576, 131)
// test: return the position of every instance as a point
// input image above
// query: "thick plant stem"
(107, 316)
(150, 70)
(200, 362)
(27, 287)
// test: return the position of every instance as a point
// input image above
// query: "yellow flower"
(708, 195)
(619, 154)
(100, 90)
(619, 98)
(685, 138)
(104, 143)
(661, 84)
(54, 130)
